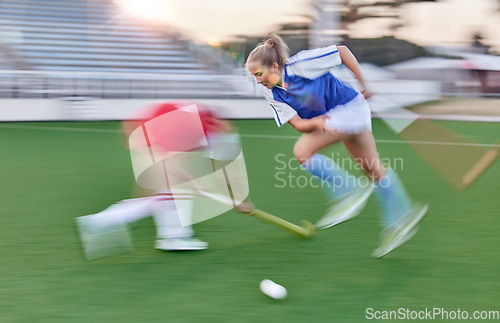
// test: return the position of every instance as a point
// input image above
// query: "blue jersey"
(309, 89)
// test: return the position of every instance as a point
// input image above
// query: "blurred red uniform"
(177, 126)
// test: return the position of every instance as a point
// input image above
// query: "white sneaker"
(401, 231)
(181, 244)
(346, 208)
(105, 242)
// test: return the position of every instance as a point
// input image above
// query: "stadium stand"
(89, 48)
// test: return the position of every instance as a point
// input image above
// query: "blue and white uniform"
(310, 90)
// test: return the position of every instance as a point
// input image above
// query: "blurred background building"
(325, 27)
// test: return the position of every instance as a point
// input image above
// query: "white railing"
(193, 84)
(44, 84)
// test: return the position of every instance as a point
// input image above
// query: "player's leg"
(118, 214)
(362, 147)
(305, 150)
(348, 198)
(400, 214)
(172, 215)
(352, 118)
(391, 193)
(105, 233)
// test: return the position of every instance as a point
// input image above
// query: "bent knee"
(301, 152)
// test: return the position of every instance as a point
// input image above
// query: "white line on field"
(74, 129)
(289, 137)
(384, 141)
(439, 143)
(268, 136)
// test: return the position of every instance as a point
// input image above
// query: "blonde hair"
(272, 50)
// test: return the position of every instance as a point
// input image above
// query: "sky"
(447, 22)
(218, 20)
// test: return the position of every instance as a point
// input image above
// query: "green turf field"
(54, 172)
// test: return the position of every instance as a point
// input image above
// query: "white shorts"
(351, 118)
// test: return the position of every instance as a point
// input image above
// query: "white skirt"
(351, 118)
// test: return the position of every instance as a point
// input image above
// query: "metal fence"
(45, 84)
(42, 84)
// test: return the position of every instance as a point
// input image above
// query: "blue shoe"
(347, 207)
(401, 231)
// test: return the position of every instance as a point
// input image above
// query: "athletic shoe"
(181, 244)
(401, 231)
(84, 228)
(104, 242)
(346, 208)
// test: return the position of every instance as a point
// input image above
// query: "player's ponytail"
(272, 50)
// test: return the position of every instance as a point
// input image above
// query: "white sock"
(123, 212)
(171, 211)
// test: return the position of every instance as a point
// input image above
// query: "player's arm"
(308, 125)
(350, 61)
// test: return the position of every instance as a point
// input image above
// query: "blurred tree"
(355, 10)
(294, 34)
(478, 42)
(383, 51)
(379, 51)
